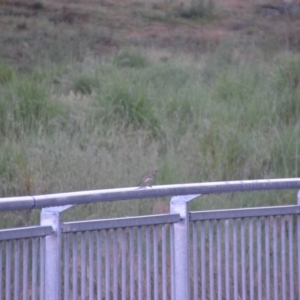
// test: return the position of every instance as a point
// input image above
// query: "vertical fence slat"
(164, 263)
(107, 264)
(291, 256)
(91, 266)
(8, 270)
(140, 264)
(25, 269)
(235, 256)
(195, 260)
(203, 261)
(34, 268)
(148, 267)
(219, 260)
(155, 263)
(259, 259)
(275, 270)
(99, 265)
(115, 249)
(172, 262)
(124, 264)
(42, 268)
(131, 251)
(227, 261)
(16, 270)
(66, 266)
(211, 260)
(75, 266)
(251, 258)
(283, 262)
(243, 258)
(267, 254)
(83, 265)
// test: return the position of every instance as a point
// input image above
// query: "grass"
(73, 120)
(199, 9)
(73, 117)
(97, 124)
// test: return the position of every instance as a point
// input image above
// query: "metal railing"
(246, 253)
(251, 253)
(22, 274)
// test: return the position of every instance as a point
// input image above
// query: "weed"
(25, 104)
(84, 84)
(198, 9)
(6, 73)
(130, 59)
(130, 104)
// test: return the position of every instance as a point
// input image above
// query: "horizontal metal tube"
(16, 203)
(25, 232)
(245, 213)
(141, 193)
(120, 223)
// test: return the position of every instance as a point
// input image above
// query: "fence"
(251, 253)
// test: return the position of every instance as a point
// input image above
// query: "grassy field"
(94, 96)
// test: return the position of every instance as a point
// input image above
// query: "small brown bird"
(148, 178)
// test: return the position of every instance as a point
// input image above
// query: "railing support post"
(181, 249)
(51, 216)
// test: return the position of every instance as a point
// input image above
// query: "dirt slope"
(27, 27)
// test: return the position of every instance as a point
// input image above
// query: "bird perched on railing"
(148, 178)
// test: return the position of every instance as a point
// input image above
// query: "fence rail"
(41, 201)
(120, 223)
(25, 232)
(222, 254)
(245, 213)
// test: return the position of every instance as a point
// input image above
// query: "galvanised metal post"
(51, 216)
(181, 251)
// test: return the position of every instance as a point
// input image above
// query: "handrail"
(107, 195)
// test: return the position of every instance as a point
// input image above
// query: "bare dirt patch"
(105, 26)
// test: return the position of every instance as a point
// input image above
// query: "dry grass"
(94, 96)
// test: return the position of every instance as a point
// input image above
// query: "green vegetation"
(71, 120)
(199, 9)
(94, 96)
(204, 120)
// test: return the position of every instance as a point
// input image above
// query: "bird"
(148, 178)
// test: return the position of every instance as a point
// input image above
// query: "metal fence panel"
(22, 262)
(124, 263)
(22, 269)
(245, 258)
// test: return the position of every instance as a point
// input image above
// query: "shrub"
(25, 103)
(198, 9)
(130, 59)
(84, 84)
(129, 104)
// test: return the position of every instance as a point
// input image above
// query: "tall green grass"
(104, 123)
